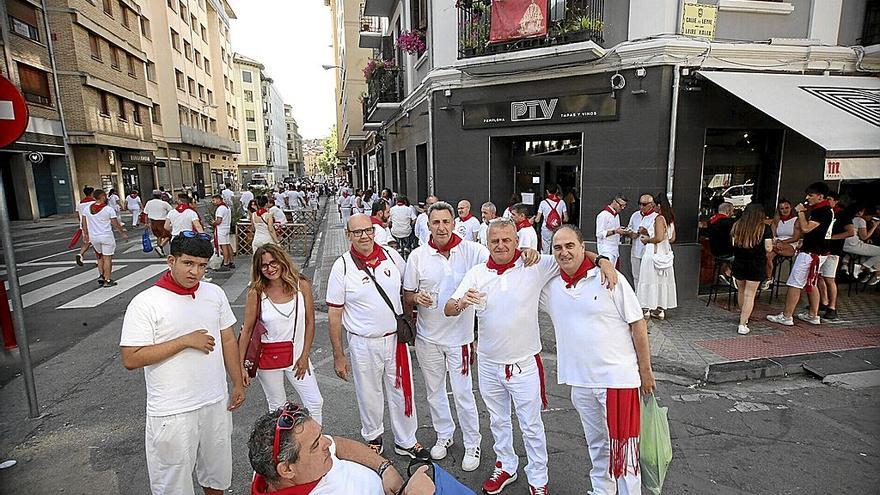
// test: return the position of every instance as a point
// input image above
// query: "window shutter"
(22, 11)
(33, 81)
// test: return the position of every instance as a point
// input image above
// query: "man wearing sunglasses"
(640, 223)
(608, 230)
(171, 330)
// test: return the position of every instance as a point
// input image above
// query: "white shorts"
(222, 234)
(200, 439)
(801, 269)
(104, 245)
(828, 268)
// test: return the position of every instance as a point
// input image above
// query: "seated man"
(290, 454)
(719, 239)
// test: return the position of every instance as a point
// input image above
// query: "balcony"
(379, 8)
(198, 137)
(574, 32)
(384, 93)
(371, 31)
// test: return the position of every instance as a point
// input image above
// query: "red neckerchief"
(572, 281)
(401, 203)
(821, 204)
(261, 211)
(785, 218)
(376, 221)
(167, 282)
(373, 259)
(609, 209)
(524, 224)
(623, 411)
(553, 197)
(183, 207)
(96, 207)
(132, 196)
(344, 194)
(466, 218)
(717, 217)
(260, 487)
(455, 240)
(836, 209)
(222, 203)
(503, 268)
(87, 199)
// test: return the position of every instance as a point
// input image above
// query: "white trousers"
(272, 382)
(345, 214)
(135, 213)
(546, 241)
(436, 363)
(373, 362)
(636, 268)
(524, 387)
(865, 249)
(590, 405)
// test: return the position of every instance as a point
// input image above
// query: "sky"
(292, 38)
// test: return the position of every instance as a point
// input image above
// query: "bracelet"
(387, 463)
(602, 257)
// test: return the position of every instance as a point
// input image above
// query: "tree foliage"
(327, 160)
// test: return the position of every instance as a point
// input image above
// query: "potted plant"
(376, 67)
(412, 42)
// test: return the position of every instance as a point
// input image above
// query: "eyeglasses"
(291, 415)
(646, 204)
(189, 234)
(362, 232)
(621, 204)
(272, 264)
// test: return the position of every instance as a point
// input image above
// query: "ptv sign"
(13, 113)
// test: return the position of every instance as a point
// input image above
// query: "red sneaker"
(499, 479)
(539, 490)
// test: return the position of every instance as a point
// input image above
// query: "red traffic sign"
(13, 113)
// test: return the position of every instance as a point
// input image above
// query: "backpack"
(554, 220)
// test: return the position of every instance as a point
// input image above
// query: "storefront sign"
(553, 110)
(145, 157)
(852, 168)
(517, 19)
(699, 20)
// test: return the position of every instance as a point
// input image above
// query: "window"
(23, 19)
(151, 71)
(194, 118)
(248, 95)
(232, 86)
(175, 39)
(225, 82)
(210, 97)
(252, 154)
(234, 113)
(180, 81)
(124, 11)
(121, 102)
(34, 85)
(250, 116)
(198, 56)
(108, 7)
(192, 85)
(145, 28)
(201, 92)
(251, 135)
(247, 76)
(95, 46)
(132, 66)
(204, 123)
(419, 11)
(183, 114)
(114, 57)
(193, 22)
(207, 66)
(228, 109)
(104, 101)
(172, 5)
(204, 32)
(213, 126)
(187, 50)
(183, 13)
(136, 114)
(156, 114)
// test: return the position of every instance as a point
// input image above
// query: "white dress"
(656, 287)
(261, 230)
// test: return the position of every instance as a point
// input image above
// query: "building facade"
(275, 129)
(312, 152)
(294, 144)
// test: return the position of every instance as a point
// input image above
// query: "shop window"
(145, 28)
(108, 7)
(95, 46)
(34, 85)
(23, 19)
(156, 114)
(122, 114)
(104, 102)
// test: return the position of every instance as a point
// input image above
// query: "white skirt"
(656, 287)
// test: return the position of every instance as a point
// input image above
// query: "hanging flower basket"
(412, 42)
(377, 67)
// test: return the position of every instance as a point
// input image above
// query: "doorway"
(45, 188)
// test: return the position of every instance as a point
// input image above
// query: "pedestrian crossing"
(94, 298)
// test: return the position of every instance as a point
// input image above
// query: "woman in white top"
(283, 299)
(857, 244)
(656, 289)
(263, 224)
(113, 202)
(786, 235)
(133, 202)
(358, 202)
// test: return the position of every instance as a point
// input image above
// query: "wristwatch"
(387, 463)
(602, 257)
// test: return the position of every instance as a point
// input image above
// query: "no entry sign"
(13, 113)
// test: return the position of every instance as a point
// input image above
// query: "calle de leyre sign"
(536, 111)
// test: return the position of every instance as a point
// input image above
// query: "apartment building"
(312, 152)
(275, 129)
(294, 144)
(188, 65)
(34, 189)
(695, 101)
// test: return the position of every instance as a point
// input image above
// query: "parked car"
(739, 195)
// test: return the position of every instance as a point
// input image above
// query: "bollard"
(9, 341)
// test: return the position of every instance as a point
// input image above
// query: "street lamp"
(328, 66)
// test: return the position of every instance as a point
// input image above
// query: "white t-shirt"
(607, 244)
(854, 241)
(113, 200)
(590, 317)
(527, 237)
(278, 215)
(483, 234)
(293, 199)
(509, 331)
(468, 230)
(364, 312)
(81, 208)
(246, 198)
(224, 215)
(402, 217)
(547, 206)
(227, 195)
(346, 202)
(381, 235)
(428, 270)
(189, 379)
(100, 224)
(421, 228)
(156, 209)
(133, 203)
(279, 199)
(182, 221)
(636, 221)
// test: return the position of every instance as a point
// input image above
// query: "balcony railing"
(384, 86)
(370, 24)
(569, 21)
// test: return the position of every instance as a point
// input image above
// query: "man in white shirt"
(379, 218)
(552, 214)
(608, 230)
(280, 198)
(466, 225)
(421, 227)
(183, 217)
(157, 211)
(172, 330)
(133, 203)
(586, 315)
(346, 203)
(640, 223)
(222, 223)
(101, 219)
(81, 209)
(291, 455)
(488, 212)
(525, 232)
(246, 197)
(355, 304)
(227, 193)
(401, 218)
(293, 198)
(443, 345)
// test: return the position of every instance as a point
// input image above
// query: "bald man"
(466, 225)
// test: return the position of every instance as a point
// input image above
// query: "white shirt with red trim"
(547, 206)
(593, 338)
(509, 330)
(607, 244)
(364, 312)
(430, 271)
(100, 224)
(81, 208)
(636, 221)
(468, 230)
(189, 379)
(381, 235)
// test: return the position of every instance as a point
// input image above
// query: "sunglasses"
(291, 415)
(189, 234)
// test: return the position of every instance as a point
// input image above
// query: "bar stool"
(854, 259)
(777, 275)
(719, 261)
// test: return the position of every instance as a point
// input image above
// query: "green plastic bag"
(655, 445)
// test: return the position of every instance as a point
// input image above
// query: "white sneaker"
(812, 320)
(781, 319)
(438, 451)
(471, 460)
(743, 330)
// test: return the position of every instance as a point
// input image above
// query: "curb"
(754, 369)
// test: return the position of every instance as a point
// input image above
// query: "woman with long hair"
(786, 235)
(752, 239)
(263, 224)
(282, 297)
(656, 290)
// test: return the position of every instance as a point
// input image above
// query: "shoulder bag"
(405, 331)
(255, 345)
(276, 355)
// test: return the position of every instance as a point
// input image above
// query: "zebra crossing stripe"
(38, 275)
(97, 297)
(39, 295)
